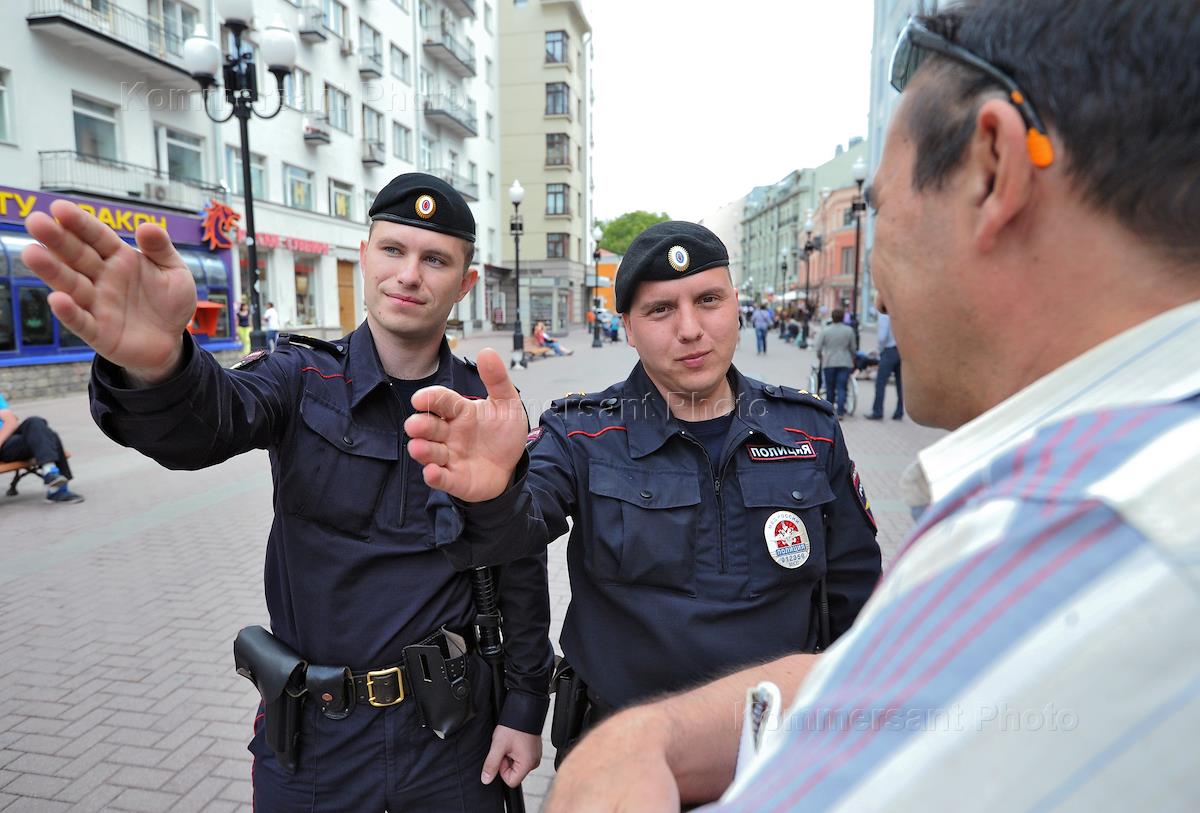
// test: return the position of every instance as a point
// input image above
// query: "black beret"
(417, 199)
(667, 251)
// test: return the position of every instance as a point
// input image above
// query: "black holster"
(570, 710)
(278, 673)
(441, 686)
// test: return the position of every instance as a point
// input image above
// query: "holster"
(438, 676)
(570, 710)
(278, 673)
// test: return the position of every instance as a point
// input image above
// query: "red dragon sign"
(220, 222)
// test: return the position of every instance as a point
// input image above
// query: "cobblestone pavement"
(116, 675)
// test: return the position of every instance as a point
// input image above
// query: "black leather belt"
(380, 687)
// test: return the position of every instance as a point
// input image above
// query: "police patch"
(762, 452)
(534, 436)
(250, 359)
(787, 539)
(426, 206)
(861, 492)
(678, 257)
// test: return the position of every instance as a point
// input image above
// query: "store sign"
(17, 204)
(220, 222)
(297, 245)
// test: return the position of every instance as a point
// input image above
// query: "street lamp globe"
(808, 223)
(516, 193)
(859, 170)
(279, 47)
(201, 56)
(236, 12)
(597, 233)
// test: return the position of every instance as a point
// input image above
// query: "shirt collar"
(366, 370)
(1148, 363)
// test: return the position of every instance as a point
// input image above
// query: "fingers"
(443, 402)
(64, 245)
(102, 239)
(495, 376)
(73, 317)
(427, 426)
(58, 275)
(427, 452)
(157, 246)
(495, 756)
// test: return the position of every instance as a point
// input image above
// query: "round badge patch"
(426, 206)
(678, 257)
(787, 539)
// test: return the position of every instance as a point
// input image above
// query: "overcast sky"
(697, 101)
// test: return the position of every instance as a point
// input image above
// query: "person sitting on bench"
(539, 335)
(33, 440)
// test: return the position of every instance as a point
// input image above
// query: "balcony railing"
(373, 153)
(463, 8)
(370, 64)
(110, 30)
(453, 113)
(312, 23)
(70, 171)
(459, 57)
(316, 129)
(467, 188)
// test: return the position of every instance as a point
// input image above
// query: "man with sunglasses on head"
(1032, 645)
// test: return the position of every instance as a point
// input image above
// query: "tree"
(620, 231)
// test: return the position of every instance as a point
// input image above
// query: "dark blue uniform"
(352, 574)
(683, 568)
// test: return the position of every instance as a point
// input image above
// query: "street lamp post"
(597, 233)
(202, 59)
(857, 208)
(808, 250)
(516, 194)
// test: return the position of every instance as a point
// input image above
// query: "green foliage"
(620, 231)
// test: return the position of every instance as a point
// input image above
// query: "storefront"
(29, 332)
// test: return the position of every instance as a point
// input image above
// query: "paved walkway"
(116, 673)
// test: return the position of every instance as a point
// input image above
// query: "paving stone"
(87, 783)
(144, 801)
(98, 801)
(37, 763)
(40, 787)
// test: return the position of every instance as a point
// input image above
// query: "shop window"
(306, 268)
(8, 334)
(14, 246)
(37, 324)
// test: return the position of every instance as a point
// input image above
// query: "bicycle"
(816, 385)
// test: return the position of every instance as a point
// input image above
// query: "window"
(37, 323)
(487, 17)
(368, 202)
(558, 150)
(372, 124)
(185, 156)
(258, 172)
(8, 333)
(453, 156)
(519, 3)
(401, 4)
(5, 130)
(556, 47)
(334, 14)
(424, 16)
(556, 246)
(305, 266)
(848, 260)
(556, 199)
(401, 65)
(170, 23)
(491, 187)
(490, 126)
(341, 196)
(487, 70)
(401, 141)
(425, 83)
(370, 42)
(426, 153)
(337, 107)
(473, 173)
(95, 129)
(492, 246)
(558, 99)
(297, 90)
(297, 187)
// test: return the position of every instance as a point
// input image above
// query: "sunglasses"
(917, 42)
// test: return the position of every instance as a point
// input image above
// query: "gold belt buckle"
(379, 674)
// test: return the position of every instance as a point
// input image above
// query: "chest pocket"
(340, 469)
(773, 494)
(643, 526)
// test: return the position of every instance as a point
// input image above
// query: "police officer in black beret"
(717, 520)
(374, 696)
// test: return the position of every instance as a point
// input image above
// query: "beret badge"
(425, 207)
(678, 257)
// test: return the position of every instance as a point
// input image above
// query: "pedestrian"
(889, 363)
(542, 340)
(836, 348)
(243, 326)
(353, 586)
(1033, 644)
(33, 440)
(712, 516)
(270, 323)
(762, 319)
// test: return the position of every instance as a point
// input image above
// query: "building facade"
(95, 103)
(726, 223)
(545, 138)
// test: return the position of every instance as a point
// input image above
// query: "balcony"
(463, 8)
(467, 188)
(458, 57)
(108, 31)
(457, 116)
(373, 153)
(312, 23)
(370, 65)
(316, 129)
(70, 171)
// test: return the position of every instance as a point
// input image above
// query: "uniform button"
(339, 348)
(796, 495)
(646, 495)
(770, 390)
(608, 402)
(327, 697)
(349, 441)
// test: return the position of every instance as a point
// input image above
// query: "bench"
(22, 468)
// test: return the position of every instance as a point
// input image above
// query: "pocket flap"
(348, 436)
(647, 489)
(779, 486)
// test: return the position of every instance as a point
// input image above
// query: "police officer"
(351, 576)
(717, 520)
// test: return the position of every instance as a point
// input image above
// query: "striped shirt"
(1035, 644)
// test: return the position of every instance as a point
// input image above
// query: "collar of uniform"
(753, 409)
(366, 370)
(1145, 364)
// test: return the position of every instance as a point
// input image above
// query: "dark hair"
(1117, 82)
(837, 315)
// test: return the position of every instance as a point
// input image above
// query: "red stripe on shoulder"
(802, 432)
(318, 372)
(595, 434)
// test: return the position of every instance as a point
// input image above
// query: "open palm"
(130, 307)
(469, 448)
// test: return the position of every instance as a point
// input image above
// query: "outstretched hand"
(469, 448)
(130, 307)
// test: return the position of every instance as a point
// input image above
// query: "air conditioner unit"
(157, 192)
(347, 47)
